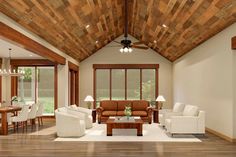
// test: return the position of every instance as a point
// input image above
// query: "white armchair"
(192, 121)
(167, 113)
(88, 115)
(69, 125)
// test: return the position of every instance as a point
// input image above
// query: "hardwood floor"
(31, 144)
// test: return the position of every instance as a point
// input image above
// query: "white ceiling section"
(16, 52)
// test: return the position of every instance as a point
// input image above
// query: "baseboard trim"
(227, 138)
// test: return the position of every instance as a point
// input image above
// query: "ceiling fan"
(126, 43)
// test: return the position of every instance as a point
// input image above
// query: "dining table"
(3, 111)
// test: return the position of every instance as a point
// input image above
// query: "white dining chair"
(21, 118)
(32, 114)
(39, 114)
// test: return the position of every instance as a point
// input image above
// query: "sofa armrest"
(162, 111)
(99, 110)
(168, 115)
(184, 124)
(149, 110)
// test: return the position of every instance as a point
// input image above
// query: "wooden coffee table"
(137, 124)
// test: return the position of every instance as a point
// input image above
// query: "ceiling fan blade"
(138, 43)
(116, 42)
(140, 47)
(114, 46)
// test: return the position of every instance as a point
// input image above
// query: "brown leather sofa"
(116, 108)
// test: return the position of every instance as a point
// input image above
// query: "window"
(37, 85)
(125, 82)
(102, 85)
(133, 84)
(118, 84)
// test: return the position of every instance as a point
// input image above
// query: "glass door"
(37, 85)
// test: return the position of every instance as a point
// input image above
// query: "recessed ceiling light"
(96, 41)
(87, 26)
(30, 55)
(163, 25)
(155, 41)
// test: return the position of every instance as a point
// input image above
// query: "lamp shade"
(160, 98)
(89, 98)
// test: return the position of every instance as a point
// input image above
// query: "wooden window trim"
(124, 66)
(0, 88)
(74, 83)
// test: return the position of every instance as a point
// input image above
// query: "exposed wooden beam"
(20, 39)
(233, 41)
(31, 62)
(73, 66)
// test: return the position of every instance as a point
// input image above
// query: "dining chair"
(39, 114)
(32, 114)
(21, 118)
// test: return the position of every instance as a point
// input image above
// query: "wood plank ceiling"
(81, 27)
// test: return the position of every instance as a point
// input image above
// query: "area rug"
(151, 133)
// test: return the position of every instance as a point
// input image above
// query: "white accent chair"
(88, 115)
(192, 121)
(69, 123)
(39, 114)
(167, 113)
(32, 114)
(20, 118)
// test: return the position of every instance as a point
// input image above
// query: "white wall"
(204, 77)
(111, 55)
(62, 69)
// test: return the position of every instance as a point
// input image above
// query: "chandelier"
(9, 72)
(126, 49)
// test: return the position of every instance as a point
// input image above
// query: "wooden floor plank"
(19, 144)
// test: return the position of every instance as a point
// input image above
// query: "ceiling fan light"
(126, 49)
(121, 50)
(130, 50)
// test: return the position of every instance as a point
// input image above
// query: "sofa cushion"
(109, 113)
(120, 113)
(108, 105)
(178, 107)
(121, 105)
(139, 113)
(140, 105)
(190, 110)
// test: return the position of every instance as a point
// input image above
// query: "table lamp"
(89, 99)
(160, 99)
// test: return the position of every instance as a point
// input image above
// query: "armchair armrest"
(84, 110)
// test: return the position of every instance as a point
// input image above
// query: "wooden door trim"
(233, 43)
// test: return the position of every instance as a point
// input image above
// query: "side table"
(94, 115)
(155, 115)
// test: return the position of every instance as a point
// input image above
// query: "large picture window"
(125, 82)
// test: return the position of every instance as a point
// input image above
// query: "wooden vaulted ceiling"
(81, 27)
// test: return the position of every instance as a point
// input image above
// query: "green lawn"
(48, 103)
